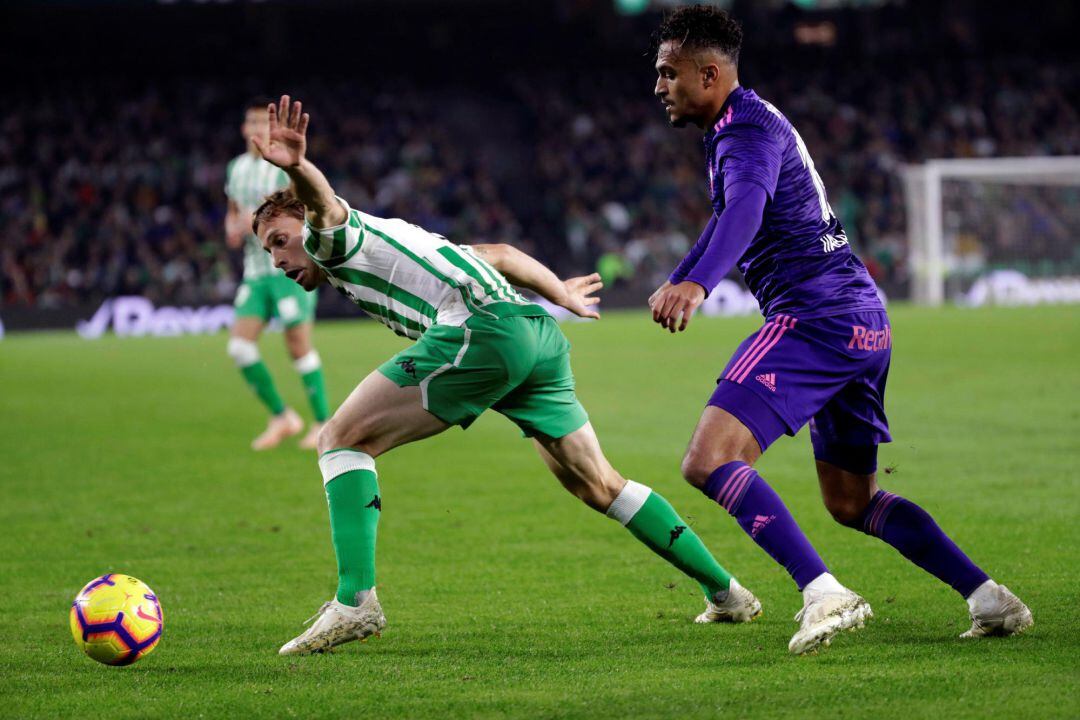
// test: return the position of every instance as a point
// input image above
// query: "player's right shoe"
(738, 606)
(336, 624)
(280, 427)
(1000, 613)
(824, 615)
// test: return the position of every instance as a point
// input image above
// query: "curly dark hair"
(701, 26)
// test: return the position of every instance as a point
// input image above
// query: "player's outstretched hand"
(286, 143)
(579, 295)
(656, 294)
(673, 305)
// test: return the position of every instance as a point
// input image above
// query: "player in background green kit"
(266, 293)
(479, 345)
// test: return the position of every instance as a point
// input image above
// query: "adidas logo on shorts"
(768, 380)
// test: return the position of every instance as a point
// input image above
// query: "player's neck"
(252, 150)
(717, 106)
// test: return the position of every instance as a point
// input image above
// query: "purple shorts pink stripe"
(765, 341)
(817, 372)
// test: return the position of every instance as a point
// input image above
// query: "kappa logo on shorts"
(760, 521)
(768, 380)
(408, 366)
(375, 503)
(675, 533)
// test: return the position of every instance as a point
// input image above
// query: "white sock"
(627, 503)
(983, 596)
(824, 583)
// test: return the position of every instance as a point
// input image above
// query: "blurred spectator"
(104, 197)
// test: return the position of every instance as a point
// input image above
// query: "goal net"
(995, 230)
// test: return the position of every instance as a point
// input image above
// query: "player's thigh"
(247, 328)
(379, 415)
(719, 438)
(577, 460)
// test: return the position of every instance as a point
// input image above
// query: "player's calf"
(850, 492)
(579, 463)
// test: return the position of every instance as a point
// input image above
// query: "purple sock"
(763, 515)
(911, 530)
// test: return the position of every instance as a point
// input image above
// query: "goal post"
(968, 218)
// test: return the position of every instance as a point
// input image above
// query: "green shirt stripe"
(376, 283)
(466, 292)
(454, 256)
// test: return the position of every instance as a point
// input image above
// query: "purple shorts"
(827, 371)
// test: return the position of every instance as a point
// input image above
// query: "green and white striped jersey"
(248, 180)
(408, 278)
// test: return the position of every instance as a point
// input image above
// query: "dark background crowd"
(486, 122)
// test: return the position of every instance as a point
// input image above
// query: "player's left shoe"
(310, 441)
(997, 612)
(824, 615)
(738, 606)
(336, 624)
(278, 428)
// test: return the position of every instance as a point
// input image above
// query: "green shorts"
(518, 366)
(276, 296)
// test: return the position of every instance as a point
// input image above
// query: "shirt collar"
(724, 116)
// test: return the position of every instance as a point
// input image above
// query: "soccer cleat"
(737, 606)
(826, 614)
(1000, 615)
(335, 624)
(280, 427)
(310, 441)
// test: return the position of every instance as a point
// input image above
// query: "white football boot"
(335, 624)
(738, 606)
(995, 611)
(825, 613)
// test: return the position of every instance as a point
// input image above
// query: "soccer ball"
(116, 619)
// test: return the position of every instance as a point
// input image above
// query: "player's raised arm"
(287, 148)
(575, 294)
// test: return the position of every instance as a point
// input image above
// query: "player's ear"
(710, 74)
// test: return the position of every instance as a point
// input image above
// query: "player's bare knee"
(328, 437)
(697, 466)
(846, 510)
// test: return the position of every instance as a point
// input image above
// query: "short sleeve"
(332, 246)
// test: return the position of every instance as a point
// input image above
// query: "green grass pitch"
(505, 596)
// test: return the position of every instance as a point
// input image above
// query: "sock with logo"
(652, 520)
(910, 529)
(352, 492)
(246, 355)
(310, 368)
(763, 516)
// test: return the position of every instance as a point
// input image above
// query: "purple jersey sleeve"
(691, 258)
(735, 229)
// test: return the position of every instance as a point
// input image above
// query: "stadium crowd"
(100, 198)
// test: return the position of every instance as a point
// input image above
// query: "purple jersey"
(799, 261)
